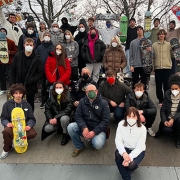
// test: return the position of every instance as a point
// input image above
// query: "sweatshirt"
(153, 37)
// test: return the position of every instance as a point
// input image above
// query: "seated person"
(130, 143)
(92, 119)
(17, 91)
(57, 112)
(114, 93)
(170, 110)
(139, 99)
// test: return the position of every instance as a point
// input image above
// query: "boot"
(178, 142)
(65, 139)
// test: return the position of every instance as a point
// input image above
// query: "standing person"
(42, 30)
(5, 68)
(130, 143)
(131, 35)
(92, 53)
(27, 68)
(135, 58)
(91, 23)
(153, 37)
(14, 31)
(43, 51)
(162, 64)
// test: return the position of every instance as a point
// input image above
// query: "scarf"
(91, 43)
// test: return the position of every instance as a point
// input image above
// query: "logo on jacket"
(96, 107)
(26, 109)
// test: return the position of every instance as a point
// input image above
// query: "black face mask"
(93, 36)
(85, 76)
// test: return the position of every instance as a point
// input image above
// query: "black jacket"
(67, 26)
(166, 108)
(144, 103)
(34, 74)
(99, 49)
(131, 35)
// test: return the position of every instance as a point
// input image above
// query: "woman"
(57, 112)
(57, 67)
(42, 30)
(130, 143)
(114, 57)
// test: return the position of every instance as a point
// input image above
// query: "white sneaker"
(127, 75)
(4, 155)
(2, 92)
(151, 132)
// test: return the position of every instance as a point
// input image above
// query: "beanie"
(30, 25)
(47, 33)
(55, 23)
(173, 22)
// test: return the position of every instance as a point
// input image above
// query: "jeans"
(126, 171)
(118, 112)
(98, 141)
(127, 68)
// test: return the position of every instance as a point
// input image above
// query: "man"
(92, 119)
(91, 23)
(140, 100)
(131, 35)
(43, 51)
(14, 31)
(136, 66)
(114, 93)
(27, 68)
(153, 37)
(17, 91)
(5, 68)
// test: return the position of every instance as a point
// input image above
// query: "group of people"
(76, 105)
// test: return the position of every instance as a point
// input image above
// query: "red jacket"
(64, 73)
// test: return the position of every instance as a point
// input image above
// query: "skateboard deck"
(107, 17)
(5, 2)
(147, 24)
(19, 132)
(123, 28)
(4, 56)
(146, 56)
(176, 11)
(120, 76)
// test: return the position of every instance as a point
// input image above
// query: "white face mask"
(139, 93)
(81, 29)
(47, 38)
(175, 92)
(131, 121)
(59, 91)
(114, 44)
(55, 29)
(58, 52)
(28, 48)
(67, 37)
(30, 31)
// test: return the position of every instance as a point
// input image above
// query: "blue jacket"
(84, 116)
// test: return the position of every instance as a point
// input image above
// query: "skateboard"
(4, 56)
(147, 24)
(123, 28)
(107, 17)
(120, 76)
(19, 132)
(146, 56)
(176, 11)
(71, 18)
(5, 2)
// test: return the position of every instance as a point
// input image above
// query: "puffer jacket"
(57, 37)
(162, 55)
(114, 59)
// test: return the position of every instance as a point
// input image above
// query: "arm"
(5, 115)
(73, 94)
(103, 48)
(21, 44)
(102, 92)
(13, 71)
(76, 51)
(131, 57)
(48, 73)
(105, 60)
(151, 108)
(47, 111)
(12, 48)
(2, 19)
(163, 110)
(127, 103)
(83, 52)
(123, 61)
(66, 76)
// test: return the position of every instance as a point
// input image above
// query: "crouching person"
(91, 121)
(130, 143)
(17, 91)
(57, 112)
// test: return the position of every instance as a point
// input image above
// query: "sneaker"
(4, 155)
(76, 152)
(127, 75)
(159, 104)
(151, 132)
(2, 92)
(65, 139)
(42, 106)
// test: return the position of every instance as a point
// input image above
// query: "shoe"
(160, 104)
(42, 106)
(151, 132)
(76, 152)
(4, 155)
(178, 144)
(158, 134)
(2, 92)
(65, 139)
(127, 75)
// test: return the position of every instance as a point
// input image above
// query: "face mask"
(111, 80)
(85, 76)
(93, 36)
(108, 25)
(30, 31)
(114, 44)
(131, 121)
(138, 93)
(47, 38)
(59, 91)
(91, 95)
(55, 29)
(28, 48)
(67, 37)
(175, 92)
(58, 52)
(81, 29)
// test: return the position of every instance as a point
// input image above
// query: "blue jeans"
(127, 171)
(118, 112)
(75, 133)
(127, 68)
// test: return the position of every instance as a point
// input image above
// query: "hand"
(76, 103)
(120, 33)
(85, 132)
(140, 112)
(70, 59)
(149, 49)
(126, 157)
(125, 163)
(10, 125)
(171, 122)
(122, 104)
(53, 121)
(90, 135)
(142, 118)
(113, 104)
(132, 68)
(166, 123)
(27, 128)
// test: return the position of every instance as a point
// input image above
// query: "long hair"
(71, 36)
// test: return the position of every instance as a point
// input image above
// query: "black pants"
(4, 75)
(74, 73)
(149, 120)
(138, 71)
(81, 64)
(161, 80)
(30, 100)
(44, 93)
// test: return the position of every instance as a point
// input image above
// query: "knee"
(49, 128)
(65, 119)
(177, 121)
(99, 142)
(118, 157)
(132, 166)
(7, 131)
(72, 128)
(31, 133)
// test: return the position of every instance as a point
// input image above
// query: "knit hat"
(64, 19)
(4, 30)
(47, 33)
(117, 39)
(173, 22)
(30, 25)
(55, 23)
(132, 19)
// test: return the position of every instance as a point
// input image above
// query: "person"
(131, 35)
(5, 68)
(92, 53)
(135, 58)
(56, 34)
(130, 143)
(91, 23)
(27, 68)
(140, 99)
(153, 37)
(42, 30)
(14, 31)
(162, 64)
(170, 111)
(114, 93)
(57, 111)
(43, 51)
(114, 57)
(30, 33)
(72, 52)
(91, 121)
(57, 67)
(17, 91)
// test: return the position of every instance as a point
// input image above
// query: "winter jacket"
(57, 37)
(50, 70)
(35, 72)
(144, 103)
(116, 92)
(99, 49)
(85, 116)
(153, 37)
(114, 59)
(10, 105)
(175, 33)
(131, 35)
(165, 110)
(162, 55)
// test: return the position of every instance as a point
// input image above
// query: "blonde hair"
(117, 39)
(71, 36)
